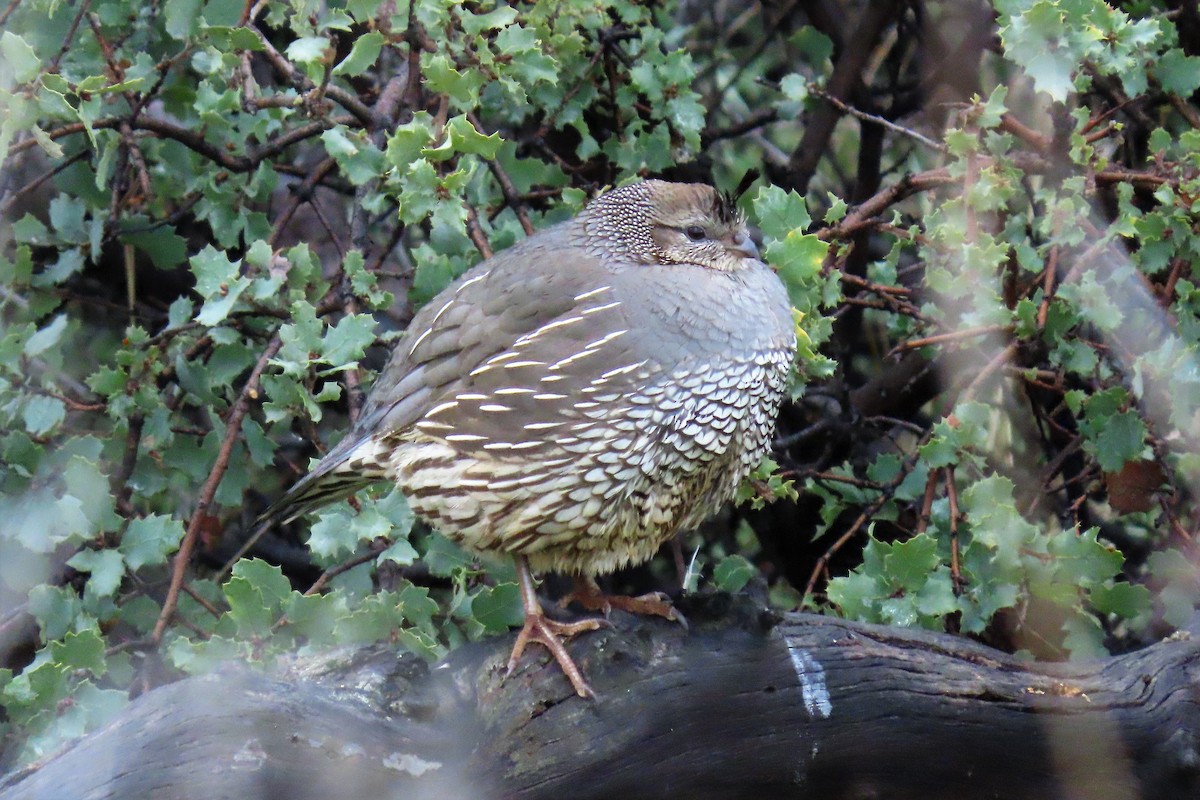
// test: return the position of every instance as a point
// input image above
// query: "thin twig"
(927, 502)
(952, 336)
(1038, 141)
(511, 198)
(1048, 287)
(300, 194)
(863, 214)
(66, 45)
(199, 598)
(362, 558)
(833, 477)
(39, 180)
(999, 360)
(476, 232)
(846, 108)
(866, 516)
(1185, 109)
(12, 6)
(233, 429)
(952, 495)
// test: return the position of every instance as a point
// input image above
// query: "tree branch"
(744, 705)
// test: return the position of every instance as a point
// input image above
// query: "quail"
(581, 397)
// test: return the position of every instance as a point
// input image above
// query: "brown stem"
(233, 429)
(927, 501)
(952, 495)
(952, 336)
(476, 233)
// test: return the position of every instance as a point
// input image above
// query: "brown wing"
(463, 371)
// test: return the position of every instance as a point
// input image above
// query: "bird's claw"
(588, 595)
(551, 634)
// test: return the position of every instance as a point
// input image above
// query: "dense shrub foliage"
(217, 214)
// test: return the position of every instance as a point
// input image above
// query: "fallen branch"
(745, 705)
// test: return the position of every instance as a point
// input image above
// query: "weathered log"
(744, 705)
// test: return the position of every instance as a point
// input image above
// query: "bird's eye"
(696, 233)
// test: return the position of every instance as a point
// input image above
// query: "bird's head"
(658, 222)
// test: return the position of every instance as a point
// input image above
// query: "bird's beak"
(743, 245)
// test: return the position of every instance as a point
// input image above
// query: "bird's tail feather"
(348, 467)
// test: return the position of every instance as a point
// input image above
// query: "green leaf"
(407, 141)
(18, 58)
(363, 54)
(461, 137)
(939, 452)
(345, 342)
(230, 39)
(798, 258)
(317, 616)
(1085, 637)
(910, 562)
(857, 595)
(47, 337)
(57, 610)
(332, 535)
(1178, 72)
(354, 153)
(780, 213)
(107, 568)
(443, 557)
(1089, 562)
(401, 552)
(308, 49)
(97, 705)
(500, 17)
(80, 650)
(732, 573)
(182, 17)
(219, 282)
(42, 414)
(268, 579)
(794, 87)
(1181, 593)
(1121, 598)
(816, 47)
(498, 608)
(441, 77)
(199, 658)
(1120, 440)
(1160, 140)
(936, 597)
(885, 468)
(375, 618)
(166, 248)
(31, 230)
(836, 211)
(255, 592)
(148, 541)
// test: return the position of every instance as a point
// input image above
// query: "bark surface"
(747, 704)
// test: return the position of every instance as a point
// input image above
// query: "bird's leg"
(587, 593)
(549, 633)
(681, 568)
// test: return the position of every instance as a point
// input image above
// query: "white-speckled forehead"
(622, 222)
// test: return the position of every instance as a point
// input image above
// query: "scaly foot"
(588, 594)
(549, 633)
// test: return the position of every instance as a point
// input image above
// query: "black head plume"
(725, 204)
(750, 177)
